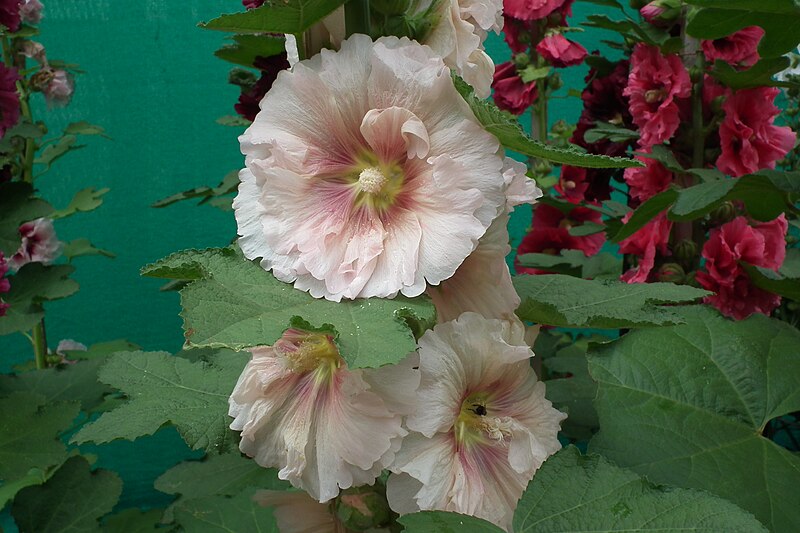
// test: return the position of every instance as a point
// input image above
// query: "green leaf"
(508, 131)
(82, 247)
(135, 521)
(10, 489)
(236, 304)
(612, 132)
(76, 382)
(686, 405)
(290, 16)
(587, 228)
(531, 73)
(699, 200)
(33, 284)
(234, 121)
(645, 213)
(224, 514)
(84, 200)
(565, 301)
(228, 185)
(247, 48)
(73, 500)
(29, 432)
(444, 522)
(54, 152)
(103, 349)
(26, 130)
(760, 74)
(575, 263)
(164, 389)
(779, 23)
(763, 6)
(17, 205)
(774, 282)
(84, 128)
(223, 475)
(571, 492)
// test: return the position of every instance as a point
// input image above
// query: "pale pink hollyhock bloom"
(482, 283)
(560, 51)
(39, 244)
(59, 91)
(300, 409)
(655, 84)
(749, 139)
(739, 48)
(367, 173)
(297, 512)
(458, 33)
(483, 426)
(31, 11)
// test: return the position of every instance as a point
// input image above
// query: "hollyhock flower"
(510, 92)
(651, 12)
(247, 106)
(10, 14)
(655, 84)
(549, 234)
(460, 27)
(645, 182)
(33, 50)
(738, 298)
(59, 91)
(652, 238)
(326, 427)
(5, 285)
(560, 51)
(367, 174)
(31, 11)
(482, 283)
(534, 9)
(252, 4)
(738, 49)
(483, 427)
(39, 244)
(9, 99)
(519, 34)
(749, 139)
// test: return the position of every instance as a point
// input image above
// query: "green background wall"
(152, 81)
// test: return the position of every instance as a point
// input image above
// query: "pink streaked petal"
(403, 233)
(395, 132)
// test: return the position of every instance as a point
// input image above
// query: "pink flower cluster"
(5, 285)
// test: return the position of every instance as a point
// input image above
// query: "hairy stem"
(40, 345)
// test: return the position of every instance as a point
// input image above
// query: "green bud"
(555, 82)
(522, 60)
(242, 78)
(722, 214)
(672, 273)
(363, 508)
(685, 251)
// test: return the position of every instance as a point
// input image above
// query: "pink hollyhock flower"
(483, 427)
(31, 11)
(762, 245)
(252, 4)
(367, 173)
(645, 243)
(560, 51)
(646, 182)
(510, 92)
(749, 139)
(247, 106)
(738, 49)
(459, 30)
(519, 34)
(533, 9)
(482, 283)
(549, 234)
(9, 99)
(651, 12)
(10, 14)
(326, 427)
(5, 285)
(59, 91)
(654, 85)
(39, 244)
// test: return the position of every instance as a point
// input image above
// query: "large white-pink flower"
(300, 409)
(482, 426)
(39, 244)
(367, 174)
(459, 29)
(482, 283)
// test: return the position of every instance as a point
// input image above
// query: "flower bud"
(685, 251)
(242, 78)
(521, 60)
(722, 214)
(31, 11)
(59, 91)
(671, 273)
(363, 508)
(33, 50)
(41, 79)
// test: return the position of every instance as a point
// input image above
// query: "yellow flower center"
(316, 353)
(476, 424)
(377, 184)
(371, 180)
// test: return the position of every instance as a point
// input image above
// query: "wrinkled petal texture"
(434, 470)
(392, 102)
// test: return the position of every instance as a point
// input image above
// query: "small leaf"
(572, 492)
(759, 75)
(26, 130)
(228, 185)
(102, 350)
(289, 16)
(587, 228)
(237, 304)
(234, 121)
(85, 128)
(774, 282)
(84, 200)
(53, 152)
(247, 48)
(166, 389)
(686, 405)
(699, 200)
(645, 213)
(531, 73)
(565, 301)
(73, 500)
(82, 247)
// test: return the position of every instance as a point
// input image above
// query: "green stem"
(357, 17)
(40, 345)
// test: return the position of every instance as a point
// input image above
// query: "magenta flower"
(655, 85)
(510, 92)
(10, 14)
(738, 49)
(9, 99)
(560, 51)
(534, 9)
(645, 182)
(650, 240)
(5, 285)
(369, 175)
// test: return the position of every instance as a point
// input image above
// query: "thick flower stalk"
(483, 425)
(325, 427)
(367, 173)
